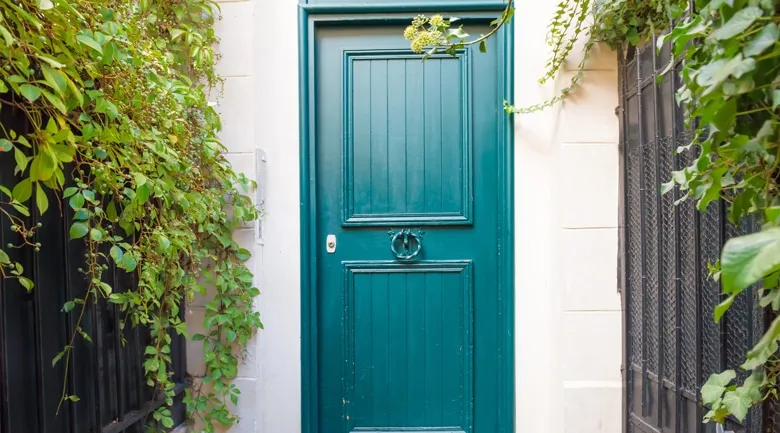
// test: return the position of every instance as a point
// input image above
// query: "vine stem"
(492, 32)
(69, 350)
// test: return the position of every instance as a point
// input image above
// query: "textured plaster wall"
(568, 319)
(568, 345)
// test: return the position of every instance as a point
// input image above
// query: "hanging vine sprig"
(614, 22)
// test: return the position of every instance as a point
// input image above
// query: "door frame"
(309, 17)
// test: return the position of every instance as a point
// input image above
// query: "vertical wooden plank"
(379, 152)
(434, 369)
(416, 332)
(432, 125)
(51, 294)
(396, 135)
(397, 347)
(362, 329)
(451, 138)
(379, 348)
(415, 136)
(362, 144)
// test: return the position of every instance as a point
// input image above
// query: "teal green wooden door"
(407, 151)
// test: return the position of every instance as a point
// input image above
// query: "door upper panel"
(407, 144)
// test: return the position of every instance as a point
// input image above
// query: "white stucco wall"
(567, 308)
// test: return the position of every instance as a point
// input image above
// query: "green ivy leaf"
(45, 4)
(76, 201)
(43, 165)
(106, 289)
(89, 195)
(9, 39)
(764, 40)
(765, 348)
(107, 107)
(21, 160)
(738, 23)
(55, 79)
(40, 199)
(723, 307)
(96, 235)
(142, 193)
(78, 230)
(116, 254)
(69, 191)
(738, 403)
(26, 283)
(51, 61)
(129, 263)
(457, 33)
(714, 5)
(23, 190)
(752, 386)
(56, 101)
(90, 42)
(713, 389)
(58, 357)
(746, 259)
(32, 93)
(21, 209)
(775, 99)
(111, 213)
(5, 145)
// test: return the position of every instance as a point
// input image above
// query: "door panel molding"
(310, 17)
(416, 284)
(360, 67)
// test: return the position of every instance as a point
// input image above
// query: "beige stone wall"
(568, 320)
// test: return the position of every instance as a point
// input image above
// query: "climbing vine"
(121, 138)
(730, 90)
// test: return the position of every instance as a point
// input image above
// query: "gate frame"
(309, 16)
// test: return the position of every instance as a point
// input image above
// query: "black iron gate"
(106, 375)
(672, 343)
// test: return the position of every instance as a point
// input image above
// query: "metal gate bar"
(671, 342)
(106, 375)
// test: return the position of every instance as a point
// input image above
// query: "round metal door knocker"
(406, 244)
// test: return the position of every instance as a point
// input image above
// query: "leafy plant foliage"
(612, 22)
(731, 90)
(124, 139)
(730, 54)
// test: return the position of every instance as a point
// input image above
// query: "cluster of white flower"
(421, 37)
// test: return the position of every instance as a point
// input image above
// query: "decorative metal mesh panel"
(672, 342)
